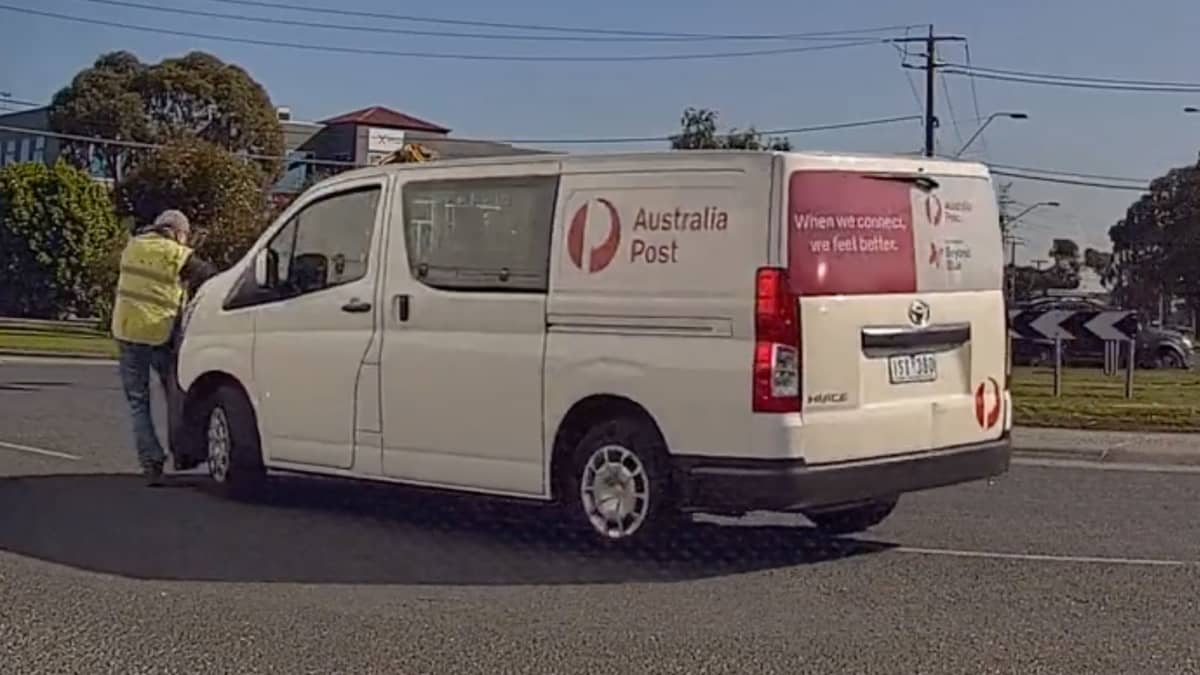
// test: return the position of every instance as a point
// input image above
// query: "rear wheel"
(1169, 359)
(231, 438)
(616, 485)
(854, 519)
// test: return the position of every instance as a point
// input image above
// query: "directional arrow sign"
(1117, 325)
(1048, 324)
(1018, 324)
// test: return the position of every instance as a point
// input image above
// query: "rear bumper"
(726, 485)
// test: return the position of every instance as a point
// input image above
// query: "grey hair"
(172, 219)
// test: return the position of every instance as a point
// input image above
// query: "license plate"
(910, 368)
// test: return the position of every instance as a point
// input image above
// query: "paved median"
(1108, 446)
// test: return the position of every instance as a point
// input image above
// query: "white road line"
(1036, 557)
(1105, 466)
(39, 451)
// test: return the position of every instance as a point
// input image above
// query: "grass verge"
(1163, 400)
(67, 338)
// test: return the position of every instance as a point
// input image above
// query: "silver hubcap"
(218, 445)
(615, 491)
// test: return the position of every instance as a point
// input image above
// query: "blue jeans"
(136, 363)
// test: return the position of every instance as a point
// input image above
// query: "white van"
(631, 336)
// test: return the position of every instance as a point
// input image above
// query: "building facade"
(312, 149)
(25, 147)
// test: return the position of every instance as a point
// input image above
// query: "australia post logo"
(935, 211)
(938, 212)
(659, 235)
(601, 255)
(989, 403)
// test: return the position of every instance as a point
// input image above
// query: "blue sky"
(1123, 134)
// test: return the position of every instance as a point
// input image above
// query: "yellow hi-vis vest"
(149, 292)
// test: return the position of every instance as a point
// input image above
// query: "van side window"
(333, 241)
(481, 234)
(326, 244)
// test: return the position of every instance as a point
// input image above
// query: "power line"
(771, 132)
(17, 101)
(1070, 181)
(1075, 85)
(1076, 78)
(1070, 174)
(328, 11)
(950, 109)
(834, 37)
(903, 51)
(975, 98)
(996, 169)
(445, 56)
(142, 145)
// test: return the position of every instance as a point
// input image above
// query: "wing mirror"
(266, 269)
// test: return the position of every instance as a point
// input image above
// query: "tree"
(1097, 261)
(58, 230)
(196, 96)
(700, 133)
(219, 192)
(1067, 264)
(1157, 243)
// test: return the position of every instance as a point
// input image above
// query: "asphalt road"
(1050, 569)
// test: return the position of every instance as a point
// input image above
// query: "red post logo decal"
(934, 210)
(988, 415)
(602, 255)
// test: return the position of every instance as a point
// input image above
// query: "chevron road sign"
(1066, 324)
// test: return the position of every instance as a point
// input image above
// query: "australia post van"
(632, 337)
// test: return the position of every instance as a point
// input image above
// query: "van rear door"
(899, 274)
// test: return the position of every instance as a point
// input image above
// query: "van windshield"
(854, 233)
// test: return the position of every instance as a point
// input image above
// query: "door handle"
(356, 306)
(401, 303)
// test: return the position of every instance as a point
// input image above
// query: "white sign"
(384, 140)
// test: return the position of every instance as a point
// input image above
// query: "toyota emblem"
(918, 313)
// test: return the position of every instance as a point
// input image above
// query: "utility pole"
(930, 68)
(1038, 262)
(1013, 242)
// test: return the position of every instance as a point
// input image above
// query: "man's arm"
(195, 272)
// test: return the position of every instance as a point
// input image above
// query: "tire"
(852, 520)
(229, 432)
(619, 464)
(1167, 359)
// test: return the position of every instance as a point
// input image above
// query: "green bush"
(58, 231)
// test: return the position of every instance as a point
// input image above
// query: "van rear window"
(850, 234)
(855, 234)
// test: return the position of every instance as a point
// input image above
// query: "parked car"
(1156, 347)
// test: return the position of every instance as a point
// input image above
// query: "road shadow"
(317, 531)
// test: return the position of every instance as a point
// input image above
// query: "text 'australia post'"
(679, 236)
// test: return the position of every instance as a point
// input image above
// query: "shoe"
(153, 474)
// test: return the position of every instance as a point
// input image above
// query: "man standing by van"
(155, 267)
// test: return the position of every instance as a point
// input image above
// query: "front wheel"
(616, 484)
(854, 519)
(233, 449)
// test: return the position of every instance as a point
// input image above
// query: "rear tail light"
(777, 356)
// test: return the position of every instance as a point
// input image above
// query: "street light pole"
(1032, 207)
(1013, 241)
(990, 118)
